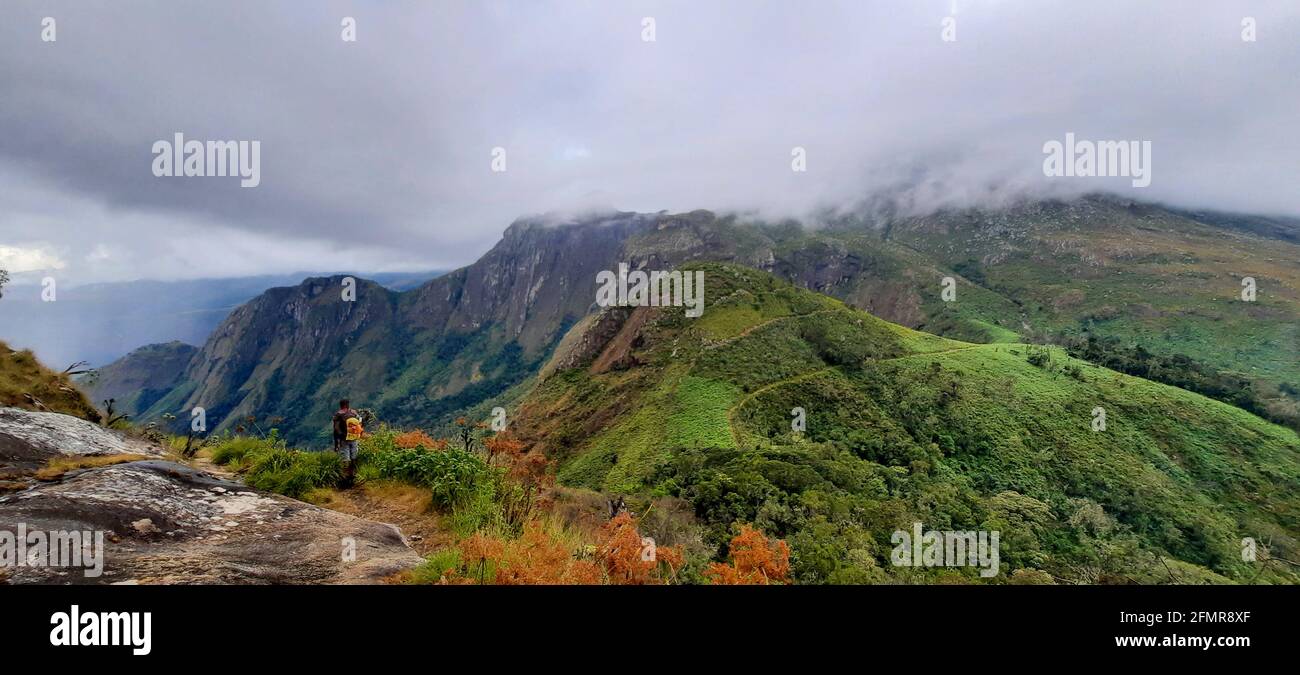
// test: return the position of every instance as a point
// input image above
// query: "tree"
(4, 279)
(469, 433)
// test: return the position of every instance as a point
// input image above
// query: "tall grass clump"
(294, 473)
(267, 464)
(236, 450)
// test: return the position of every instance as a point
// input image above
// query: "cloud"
(18, 260)
(378, 152)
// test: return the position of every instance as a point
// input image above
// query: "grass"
(267, 464)
(700, 413)
(291, 472)
(453, 479)
(236, 451)
(58, 466)
(453, 476)
(23, 378)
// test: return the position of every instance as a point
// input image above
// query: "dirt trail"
(731, 412)
(404, 506)
(762, 324)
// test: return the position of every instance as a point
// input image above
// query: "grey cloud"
(377, 152)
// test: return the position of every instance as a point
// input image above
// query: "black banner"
(332, 625)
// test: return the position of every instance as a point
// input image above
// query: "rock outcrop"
(29, 440)
(162, 522)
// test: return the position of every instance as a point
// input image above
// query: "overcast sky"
(376, 154)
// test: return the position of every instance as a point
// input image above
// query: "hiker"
(616, 506)
(347, 431)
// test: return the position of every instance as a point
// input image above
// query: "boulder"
(30, 439)
(168, 523)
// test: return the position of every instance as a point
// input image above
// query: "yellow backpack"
(354, 429)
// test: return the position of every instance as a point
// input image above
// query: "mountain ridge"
(459, 340)
(902, 427)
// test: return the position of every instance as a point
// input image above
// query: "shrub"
(622, 553)
(755, 561)
(441, 566)
(417, 439)
(536, 557)
(545, 553)
(268, 465)
(452, 474)
(293, 473)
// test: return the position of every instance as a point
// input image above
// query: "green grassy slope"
(1137, 272)
(906, 427)
(25, 383)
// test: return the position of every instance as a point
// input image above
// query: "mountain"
(1136, 271)
(961, 427)
(1052, 270)
(904, 427)
(98, 323)
(459, 339)
(136, 381)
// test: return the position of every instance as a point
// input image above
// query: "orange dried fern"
(755, 561)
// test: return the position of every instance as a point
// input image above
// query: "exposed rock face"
(463, 337)
(535, 283)
(166, 523)
(30, 439)
(587, 340)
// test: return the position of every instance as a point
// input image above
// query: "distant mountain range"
(99, 323)
(1143, 274)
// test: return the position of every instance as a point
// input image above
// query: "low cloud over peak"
(415, 145)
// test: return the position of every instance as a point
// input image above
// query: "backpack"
(354, 429)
